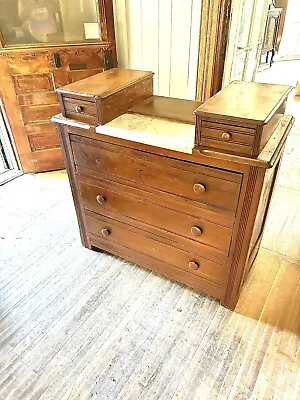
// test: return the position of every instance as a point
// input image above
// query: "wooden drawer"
(185, 180)
(112, 231)
(111, 92)
(119, 200)
(227, 137)
(80, 110)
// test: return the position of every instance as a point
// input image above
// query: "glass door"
(3, 160)
(29, 22)
(9, 168)
(245, 40)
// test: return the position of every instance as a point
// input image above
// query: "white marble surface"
(153, 131)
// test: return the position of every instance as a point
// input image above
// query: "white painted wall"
(160, 36)
(290, 43)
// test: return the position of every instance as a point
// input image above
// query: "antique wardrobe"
(46, 44)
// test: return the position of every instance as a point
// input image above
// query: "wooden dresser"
(144, 191)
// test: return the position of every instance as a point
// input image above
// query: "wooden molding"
(214, 28)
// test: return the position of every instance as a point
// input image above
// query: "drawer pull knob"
(79, 109)
(105, 232)
(196, 231)
(226, 136)
(101, 199)
(194, 265)
(199, 188)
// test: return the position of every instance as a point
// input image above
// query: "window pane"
(48, 21)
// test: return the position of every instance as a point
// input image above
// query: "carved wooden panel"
(35, 78)
(33, 83)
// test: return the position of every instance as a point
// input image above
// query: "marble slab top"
(153, 131)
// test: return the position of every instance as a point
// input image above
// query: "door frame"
(8, 149)
(214, 31)
(232, 49)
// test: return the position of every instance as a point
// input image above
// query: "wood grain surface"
(166, 107)
(104, 85)
(262, 101)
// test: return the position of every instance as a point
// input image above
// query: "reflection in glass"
(48, 21)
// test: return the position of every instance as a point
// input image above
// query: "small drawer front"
(109, 230)
(112, 202)
(228, 138)
(81, 110)
(208, 186)
(234, 148)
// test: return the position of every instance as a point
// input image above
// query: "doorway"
(9, 164)
(286, 66)
(264, 42)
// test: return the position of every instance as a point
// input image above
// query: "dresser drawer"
(118, 200)
(227, 137)
(185, 180)
(80, 110)
(112, 231)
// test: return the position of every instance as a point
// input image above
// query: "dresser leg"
(231, 304)
(70, 166)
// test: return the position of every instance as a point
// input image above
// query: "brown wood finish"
(196, 218)
(166, 219)
(110, 94)
(29, 79)
(134, 189)
(254, 108)
(283, 4)
(169, 270)
(125, 235)
(166, 107)
(214, 29)
(222, 188)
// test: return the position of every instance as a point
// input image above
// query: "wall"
(161, 36)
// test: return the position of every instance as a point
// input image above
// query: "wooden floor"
(76, 324)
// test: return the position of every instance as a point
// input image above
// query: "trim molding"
(214, 29)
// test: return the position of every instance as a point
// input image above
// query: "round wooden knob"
(79, 109)
(105, 232)
(194, 265)
(226, 136)
(199, 188)
(196, 231)
(101, 199)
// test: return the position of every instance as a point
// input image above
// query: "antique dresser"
(172, 185)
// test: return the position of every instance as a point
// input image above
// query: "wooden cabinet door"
(35, 74)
